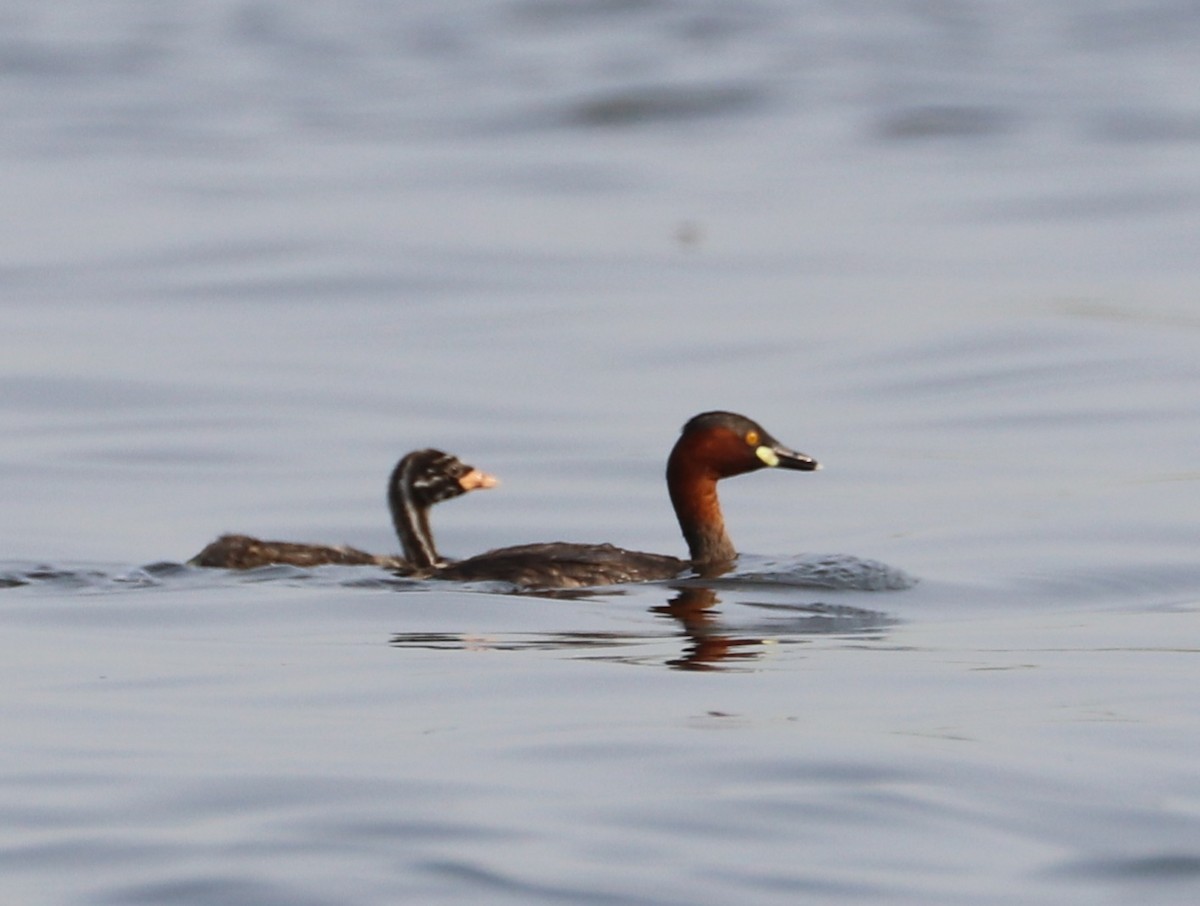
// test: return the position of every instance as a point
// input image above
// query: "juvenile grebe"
(713, 445)
(420, 480)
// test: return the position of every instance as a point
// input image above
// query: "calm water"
(252, 252)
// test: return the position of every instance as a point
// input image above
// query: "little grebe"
(420, 480)
(713, 445)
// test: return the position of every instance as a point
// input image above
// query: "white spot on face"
(767, 455)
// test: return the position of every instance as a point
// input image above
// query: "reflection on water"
(710, 643)
(702, 640)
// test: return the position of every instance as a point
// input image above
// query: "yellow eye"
(752, 438)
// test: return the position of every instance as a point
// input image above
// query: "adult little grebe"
(713, 445)
(420, 480)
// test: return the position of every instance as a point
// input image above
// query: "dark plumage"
(712, 446)
(419, 480)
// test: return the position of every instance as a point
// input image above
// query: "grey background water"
(252, 252)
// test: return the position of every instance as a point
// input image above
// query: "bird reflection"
(710, 642)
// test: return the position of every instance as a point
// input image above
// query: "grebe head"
(730, 444)
(716, 445)
(430, 476)
(420, 480)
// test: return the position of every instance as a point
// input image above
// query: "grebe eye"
(752, 438)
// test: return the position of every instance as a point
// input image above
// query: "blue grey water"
(251, 252)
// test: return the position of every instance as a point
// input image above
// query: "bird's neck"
(693, 492)
(412, 528)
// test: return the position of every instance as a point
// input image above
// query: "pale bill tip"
(476, 479)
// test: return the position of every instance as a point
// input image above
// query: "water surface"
(252, 253)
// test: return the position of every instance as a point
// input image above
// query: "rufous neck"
(693, 490)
